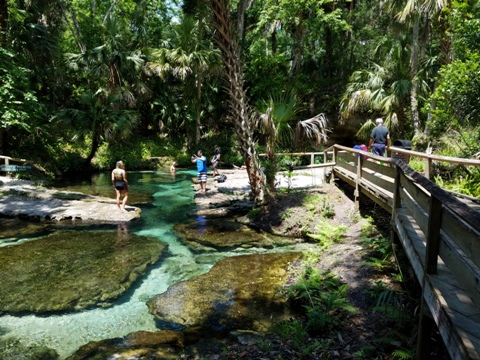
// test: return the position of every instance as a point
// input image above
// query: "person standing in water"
(201, 162)
(215, 160)
(120, 183)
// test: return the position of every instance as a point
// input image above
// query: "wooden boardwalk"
(440, 235)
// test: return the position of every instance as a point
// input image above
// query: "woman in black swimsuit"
(120, 183)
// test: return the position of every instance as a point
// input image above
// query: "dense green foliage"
(84, 83)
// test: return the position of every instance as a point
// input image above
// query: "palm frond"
(312, 129)
(365, 130)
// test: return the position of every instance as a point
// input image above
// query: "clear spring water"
(166, 201)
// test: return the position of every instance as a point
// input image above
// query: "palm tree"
(241, 114)
(112, 71)
(275, 122)
(189, 57)
(381, 90)
(99, 116)
(417, 10)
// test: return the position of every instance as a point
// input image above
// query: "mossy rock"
(73, 270)
(240, 292)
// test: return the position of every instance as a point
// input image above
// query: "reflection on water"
(166, 200)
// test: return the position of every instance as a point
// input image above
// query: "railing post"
(357, 181)
(428, 167)
(397, 201)
(334, 160)
(431, 262)
(312, 159)
(325, 160)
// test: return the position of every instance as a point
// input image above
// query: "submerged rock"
(15, 229)
(163, 344)
(222, 234)
(73, 270)
(240, 292)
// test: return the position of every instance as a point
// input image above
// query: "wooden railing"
(395, 152)
(18, 164)
(440, 235)
(430, 158)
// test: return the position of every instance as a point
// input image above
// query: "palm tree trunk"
(241, 113)
(198, 109)
(93, 148)
(3, 20)
(3, 31)
(300, 34)
(414, 77)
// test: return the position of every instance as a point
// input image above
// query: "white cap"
(379, 121)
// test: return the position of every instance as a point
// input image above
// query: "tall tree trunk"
(198, 105)
(299, 35)
(274, 42)
(3, 32)
(93, 148)
(3, 20)
(242, 7)
(414, 76)
(198, 108)
(240, 112)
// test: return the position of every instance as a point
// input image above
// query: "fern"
(403, 354)
(327, 234)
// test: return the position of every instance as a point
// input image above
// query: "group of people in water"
(120, 182)
(379, 142)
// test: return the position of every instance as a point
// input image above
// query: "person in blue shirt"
(379, 139)
(201, 162)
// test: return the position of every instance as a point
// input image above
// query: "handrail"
(7, 159)
(453, 160)
(431, 224)
(429, 158)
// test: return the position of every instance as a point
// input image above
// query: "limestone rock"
(237, 293)
(163, 344)
(73, 270)
(223, 234)
(28, 201)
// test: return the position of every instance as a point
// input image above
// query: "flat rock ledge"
(23, 199)
(233, 197)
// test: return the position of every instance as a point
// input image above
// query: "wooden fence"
(14, 165)
(440, 235)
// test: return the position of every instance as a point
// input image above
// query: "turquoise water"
(166, 201)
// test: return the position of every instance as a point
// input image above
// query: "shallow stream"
(166, 201)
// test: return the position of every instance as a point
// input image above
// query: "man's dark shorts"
(378, 149)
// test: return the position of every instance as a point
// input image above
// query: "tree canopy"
(81, 79)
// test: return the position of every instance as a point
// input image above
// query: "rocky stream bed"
(229, 312)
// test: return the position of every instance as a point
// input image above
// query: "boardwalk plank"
(412, 239)
(456, 342)
(456, 305)
(421, 196)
